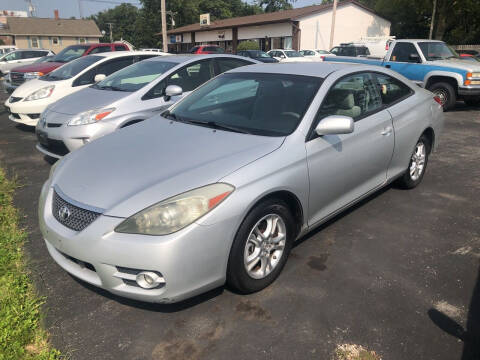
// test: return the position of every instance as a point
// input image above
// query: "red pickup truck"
(20, 74)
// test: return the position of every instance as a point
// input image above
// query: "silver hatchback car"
(128, 96)
(217, 188)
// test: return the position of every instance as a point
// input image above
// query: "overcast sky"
(68, 8)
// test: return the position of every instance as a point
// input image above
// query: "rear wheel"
(417, 166)
(261, 247)
(446, 93)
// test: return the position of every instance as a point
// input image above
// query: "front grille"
(16, 116)
(16, 78)
(71, 216)
(33, 116)
(14, 99)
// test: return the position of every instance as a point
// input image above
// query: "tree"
(248, 45)
(123, 17)
(275, 5)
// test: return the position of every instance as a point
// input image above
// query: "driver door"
(344, 167)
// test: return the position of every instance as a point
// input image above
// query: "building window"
(82, 40)
(34, 42)
(287, 42)
(55, 40)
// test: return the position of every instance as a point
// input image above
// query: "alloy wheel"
(264, 247)
(417, 161)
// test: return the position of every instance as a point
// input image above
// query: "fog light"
(148, 280)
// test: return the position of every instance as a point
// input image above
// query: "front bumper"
(472, 90)
(56, 138)
(191, 261)
(24, 112)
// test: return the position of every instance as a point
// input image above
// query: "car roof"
(114, 54)
(317, 69)
(192, 57)
(418, 40)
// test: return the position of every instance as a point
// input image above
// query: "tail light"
(438, 100)
(322, 57)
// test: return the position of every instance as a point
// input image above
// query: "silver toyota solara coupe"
(217, 188)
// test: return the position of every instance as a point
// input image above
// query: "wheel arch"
(293, 202)
(455, 80)
(430, 134)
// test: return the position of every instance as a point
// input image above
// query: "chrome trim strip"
(76, 203)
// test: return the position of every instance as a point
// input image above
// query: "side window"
(194, 49)
(31, 54)
(334, 50)
(106, 68)
(13, 56)
(109, 67)
(192, 76)
(402, 51)
(229, 64)
(100, 49)
(120, 48)
(188, 78)
(391, 90)
(354, 95)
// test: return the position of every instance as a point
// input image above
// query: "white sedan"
(30, 99)
(316, 55)
(288, 56)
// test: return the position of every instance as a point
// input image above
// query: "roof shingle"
(46, 26)
(265, 18)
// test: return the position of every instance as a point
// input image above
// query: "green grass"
(21, 335)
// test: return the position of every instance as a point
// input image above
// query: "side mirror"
(282, 56)
(414, 58)
(334, 125)
(172, 90)
(99, 77)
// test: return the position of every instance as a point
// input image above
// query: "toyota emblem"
(64, 213)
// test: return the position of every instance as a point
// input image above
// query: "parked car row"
(180, 173)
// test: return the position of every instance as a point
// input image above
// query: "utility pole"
(164, 26)
(111, 34)
(433, 18)
(80, 8)
(332, 30)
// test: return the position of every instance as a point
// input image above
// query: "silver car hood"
(140, 165)
(86, 99)
(458, 63)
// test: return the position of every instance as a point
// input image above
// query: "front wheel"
(446, 93)
(417, 166)
(261, 247)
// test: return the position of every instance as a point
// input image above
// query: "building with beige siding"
(48, 33)
(301, 28)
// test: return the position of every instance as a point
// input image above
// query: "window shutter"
(50, 40)
(29, 42)
(60, 41)
(40, 42)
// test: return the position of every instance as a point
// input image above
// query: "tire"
(446, 93)
(410, 178)
(472, 100)
(243, 249)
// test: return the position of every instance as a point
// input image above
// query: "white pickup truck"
(432, 65)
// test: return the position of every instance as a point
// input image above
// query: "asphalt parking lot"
(396, 274)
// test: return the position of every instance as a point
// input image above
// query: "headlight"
(40, 94)
(32, 75)
(473, 75)
(90, 116)
(173, 214)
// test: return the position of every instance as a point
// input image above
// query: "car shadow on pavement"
(25, 128)
(471, 335)
(156, 307)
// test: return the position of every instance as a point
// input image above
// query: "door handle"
(388, 66)
(386, 131)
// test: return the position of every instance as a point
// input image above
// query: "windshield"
(259, 54)
(70, 53)
(255, 103)
(134, 77)
(71, 69)
(437, 51)
(292, 53)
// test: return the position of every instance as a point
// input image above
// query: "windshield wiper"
(215, 125)
(109, 87)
